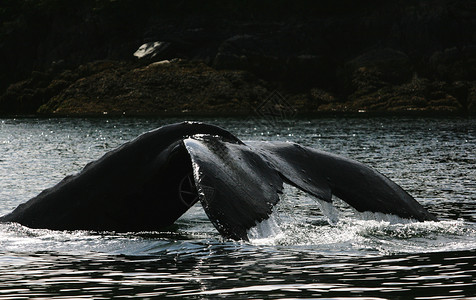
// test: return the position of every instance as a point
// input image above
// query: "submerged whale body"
(148, 183)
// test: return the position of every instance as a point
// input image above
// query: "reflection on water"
(201, 270)
(307, 249)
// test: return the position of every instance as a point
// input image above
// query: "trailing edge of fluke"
(149, 182)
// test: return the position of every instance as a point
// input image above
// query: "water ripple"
(307, 250)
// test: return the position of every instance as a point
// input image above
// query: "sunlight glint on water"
(307, 249)
(335, 231)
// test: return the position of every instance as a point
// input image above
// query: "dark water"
(306, 250)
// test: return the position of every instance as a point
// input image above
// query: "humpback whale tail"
(148, 183)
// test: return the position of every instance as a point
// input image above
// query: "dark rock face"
(166, 87)
(471, 102)
(385, 65)
(321, 55)
(454, 64)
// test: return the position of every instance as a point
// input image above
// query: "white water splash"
(16, 238)
(266, 232)
(296, 222)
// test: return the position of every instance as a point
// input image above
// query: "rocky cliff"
(155, 57)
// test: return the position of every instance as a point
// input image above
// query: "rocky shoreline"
(394, 58)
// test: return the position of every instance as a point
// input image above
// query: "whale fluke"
(149, 182)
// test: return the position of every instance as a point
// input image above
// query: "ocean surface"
(305, 250)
